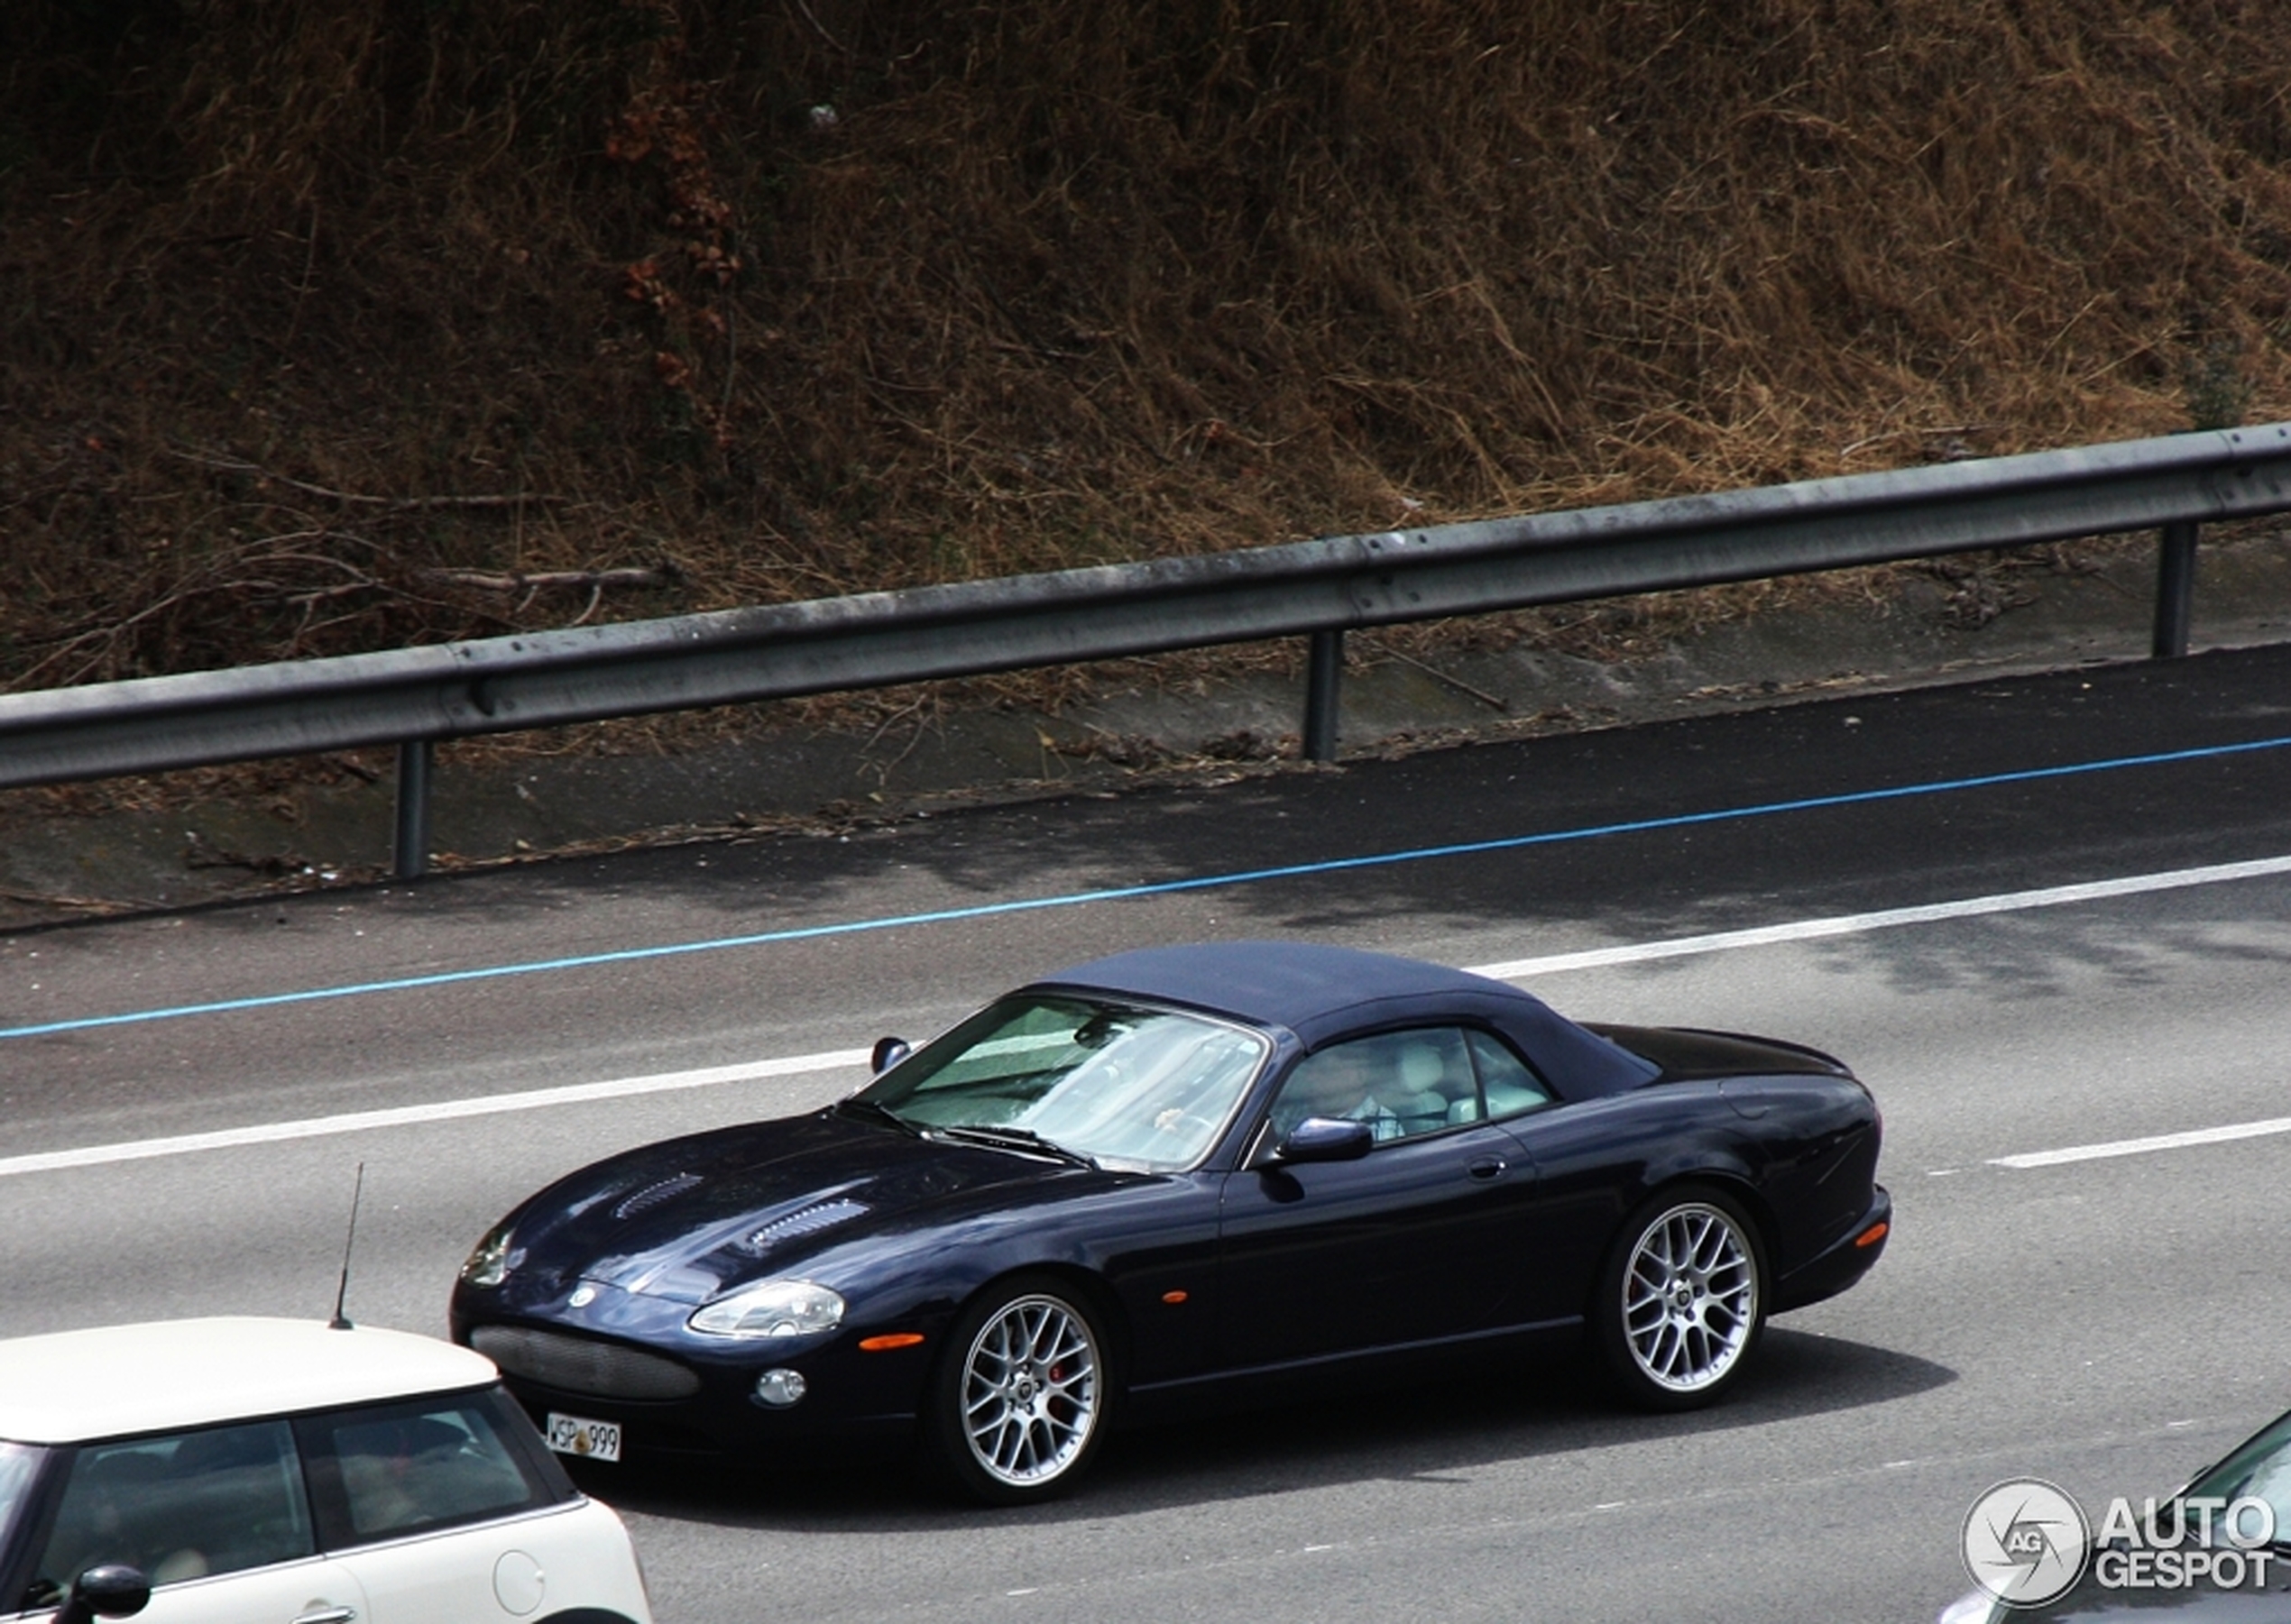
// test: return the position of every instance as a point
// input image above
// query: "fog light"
(780, 1388)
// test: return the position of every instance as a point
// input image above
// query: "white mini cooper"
(281, 1472)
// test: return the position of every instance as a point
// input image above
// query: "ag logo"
(2026, 1542)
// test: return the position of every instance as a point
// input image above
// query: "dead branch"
(213, 579)
(397, 504)
(540, 580)
(820, 30)
(1493, 701)
(77, 904)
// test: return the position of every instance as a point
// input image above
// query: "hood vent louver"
(808, 1220)
(652, 1195)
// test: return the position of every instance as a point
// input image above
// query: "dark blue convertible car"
(1174, 1176)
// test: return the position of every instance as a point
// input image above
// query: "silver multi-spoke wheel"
(1689, 1298)
(1029, 1398)
(1683, 1297)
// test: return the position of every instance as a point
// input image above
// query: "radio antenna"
(341, 1321)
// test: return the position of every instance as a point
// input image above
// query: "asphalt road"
(184, 1100)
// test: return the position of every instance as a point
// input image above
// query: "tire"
(1019, 1403)
(1681, 1299)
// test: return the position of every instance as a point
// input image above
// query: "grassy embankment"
(330, 326)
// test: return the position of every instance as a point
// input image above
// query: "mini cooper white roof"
(72, 1386)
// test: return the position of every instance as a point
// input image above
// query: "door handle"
(322, 1614)
(1489, 1167)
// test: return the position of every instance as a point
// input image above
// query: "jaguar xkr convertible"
(1178, 1176)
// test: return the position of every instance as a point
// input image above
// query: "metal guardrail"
(414, 697)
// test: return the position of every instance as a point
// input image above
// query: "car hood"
(688, 1218)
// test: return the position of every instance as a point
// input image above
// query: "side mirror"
(1326, 1138)
(112, 1590)
(888, 1052)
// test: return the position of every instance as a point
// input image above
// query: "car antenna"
(341, 1321)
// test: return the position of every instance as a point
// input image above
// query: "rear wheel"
(1019, 1403)
(1681, 1299)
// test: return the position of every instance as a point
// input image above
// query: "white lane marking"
(2154, 1141)
(1850, 924)
(1513, 970)
(447, 1110)
(1854, 924)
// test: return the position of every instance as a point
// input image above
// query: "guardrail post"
(2175, 588)
(1324, 672)
(412, 842)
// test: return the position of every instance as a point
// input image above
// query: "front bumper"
(631, 1360)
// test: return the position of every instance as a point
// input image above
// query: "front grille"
(574, 1364)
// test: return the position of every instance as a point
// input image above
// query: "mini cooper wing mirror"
(1326, 1138)
(888, 1052)
(113, 1590)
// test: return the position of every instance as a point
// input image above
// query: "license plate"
(577, 1435)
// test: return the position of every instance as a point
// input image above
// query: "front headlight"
(490, 1264)
(775, 1308)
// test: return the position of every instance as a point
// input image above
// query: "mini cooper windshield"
(1117, 1083)
(17, 1462)
(2260, 1469)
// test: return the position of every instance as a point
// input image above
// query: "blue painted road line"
(850, 1059)
(1156, 888)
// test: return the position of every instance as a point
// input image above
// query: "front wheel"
(1681, 1299)
(1019, 1405)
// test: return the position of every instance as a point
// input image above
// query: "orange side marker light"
(1173, 1297)
(1872, 1235)
(895, 1339)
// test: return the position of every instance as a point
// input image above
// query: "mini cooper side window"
(180, 1506)
(1510, 1089)
(1402, 1084)
(395, 1470)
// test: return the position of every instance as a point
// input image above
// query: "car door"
(316, 1591)
(427, 1502)
(216, 1517)
(1415, 1242)
(1590, 1161)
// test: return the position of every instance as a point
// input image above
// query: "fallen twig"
(402, 504)
(588, 581)
(78, 905)
(1493, 701)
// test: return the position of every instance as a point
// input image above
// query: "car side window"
(1505, 1083)
(1404, 1084)
(390, 1470)
(181, 1507)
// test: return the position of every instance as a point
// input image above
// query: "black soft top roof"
(1321, 994)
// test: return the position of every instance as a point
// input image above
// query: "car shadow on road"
(1484, 1416)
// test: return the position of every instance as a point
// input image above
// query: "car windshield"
(2260, 1469)
(1125, 1085)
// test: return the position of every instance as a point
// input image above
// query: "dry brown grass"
(811, 295)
